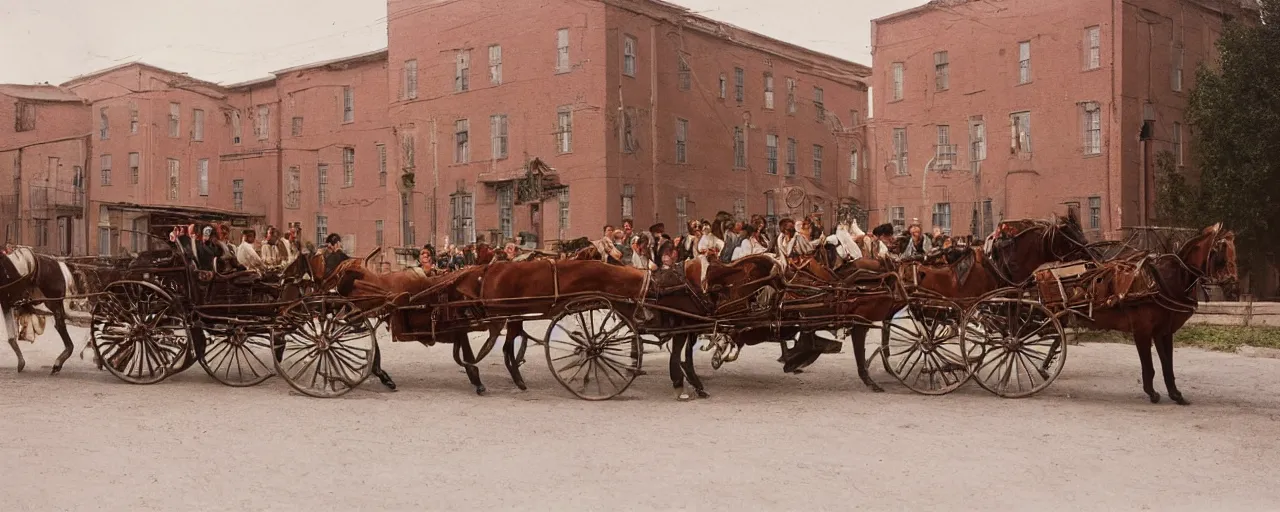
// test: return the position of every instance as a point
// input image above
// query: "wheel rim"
(921, 347)
(593, 350)
(1019, 345)
(237, 356)
(139, 332)
(325, 347)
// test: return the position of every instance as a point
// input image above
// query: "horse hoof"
(1155, 397)
(55, 371)
(390, 384)
(21, 365)
(1178, 399)
(683, 397)
(703, 394)
(875, 388)
(520, 384)
(480, 390)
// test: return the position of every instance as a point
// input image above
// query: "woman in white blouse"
(749, 245)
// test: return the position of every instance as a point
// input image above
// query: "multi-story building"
(44, 150)
(644, 110)
(1090, 92)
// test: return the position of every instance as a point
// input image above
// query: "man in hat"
(659, 232)
(335, 255)
(882, 239)
(246, 255)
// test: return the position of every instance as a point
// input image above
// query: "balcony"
(46, 198)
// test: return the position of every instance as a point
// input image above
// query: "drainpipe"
(1110, 207)
(653, 117)
(435, 184)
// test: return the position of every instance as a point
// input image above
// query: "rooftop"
(39, 93)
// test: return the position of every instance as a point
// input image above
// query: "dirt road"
(764, 441)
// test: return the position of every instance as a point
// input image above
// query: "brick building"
(1089, 93)
(44, 149)
(644, 109)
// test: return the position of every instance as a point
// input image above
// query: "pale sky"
(234, 40)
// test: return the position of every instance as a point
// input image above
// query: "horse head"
(1212, 253)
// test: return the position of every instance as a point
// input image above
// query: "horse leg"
(11, 330)
(383, 376)
(677, 372)
(1143, 341)
(473, 373)
(60, 324)
(509, 356)
(692, 374)
(858, 335)
(1164, 349)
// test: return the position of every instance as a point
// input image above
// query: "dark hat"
(657, 227)
(883, 230)
(333, 238)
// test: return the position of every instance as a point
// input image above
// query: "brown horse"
(1155, 317)
(28, 281)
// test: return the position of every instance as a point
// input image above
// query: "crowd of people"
(212, 249)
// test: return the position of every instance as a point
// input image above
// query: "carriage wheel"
(920, 346)
(1019, 345)
(236, 355)
(139, 332)
(324, 346)
(593, 350)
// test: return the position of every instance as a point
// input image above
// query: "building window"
(175, 121)
(174, 179)
(1092, 129)
(378, 239)
(977, 139)
(498, 136)
(293, 188)
(768, 91)
(1095, 212)
(1177, 143)
(1179, 54)
(627, 139)
(407, 153)
(382, 164)
(461, 141)
(941, 71)
(348, 167)
(628, 202)
(562, 50)
(898, 217)
(197, 125)
(463, 208)
(105, 166)
(407, 235)
(237, 195)
(24, 116)
(104, 126)
(505, 201)
(740, 209)
(682, 213)
(563, 217)
(724, 84)
(322, 228)
(739, 85)
(629, 56)
(42, 232)
(409, 82)
(739, 149)
(264, 122)
(322, 184)
(1024, 62)
(897, 81)
(1021, 122)
(942, 216)
(855, 119)
(853, 165)
(944, 153)
(564, 130)
(988, 218)
(819, 105)
(348, 104)
(495, 65)
(462, 72)
(133, 118)
(235, 127)
(202, 177)
(817, 161)
(1092, 48)
(771, 153)
(791, 95)
(296, 127)
(900, 151)
(791, 157)
(684, 74)
(682, 141)
(135, 161)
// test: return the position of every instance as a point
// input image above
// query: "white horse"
(32, 286)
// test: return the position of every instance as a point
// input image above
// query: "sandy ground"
(764, 441)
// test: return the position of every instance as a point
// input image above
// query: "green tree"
(1235, 114)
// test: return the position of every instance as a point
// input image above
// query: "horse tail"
(71, 287)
